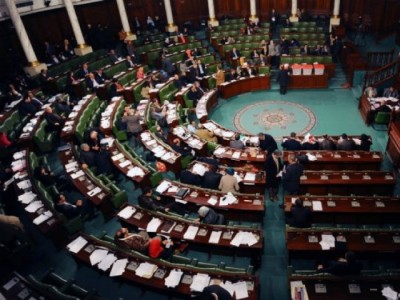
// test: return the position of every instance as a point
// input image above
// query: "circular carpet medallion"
(277, 118)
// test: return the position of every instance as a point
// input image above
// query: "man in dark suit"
(326, 143)
(211, 178)
(104, 164)
(300, 216)
(193, 95)
(27, 107)
(345, 143)
(273, 167)
(99, 76)
(69, 210)
(292, 143)
(201, 69)
(86, 157)
(148, 201)
(232, 75)
(189, 178)
(211, 160)
(291, 176)
(192, 76)
(283, 79)
(84, 71)
(167, 65)
(179, 148)
(54, 121)
(267, 142)
(343, 266)
(113, 56)
(235, 54)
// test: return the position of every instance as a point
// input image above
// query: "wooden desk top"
(72, 121)
(348, 178)
(80, 178)
(141, 218)
(370, 287)
(348, 204)
(356, 240)
(192, 140)
(107, 117)
(340, 157)
(160, 150)
(164, 268)
(232, 88)
(241, 155)
(208, 101)
(244, 175)
(245, 202)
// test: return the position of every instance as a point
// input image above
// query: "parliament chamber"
(191, 149)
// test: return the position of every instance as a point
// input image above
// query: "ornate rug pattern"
(277, 118)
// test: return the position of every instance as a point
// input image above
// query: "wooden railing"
(379, 59)
(381, 75)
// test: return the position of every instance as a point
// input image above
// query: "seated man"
(81, 207)
(189, 178)
(391, 92)
(45, 176)
(326, 143)
(136, 241)
(54, 121)
(27, 107)
(345, 143)
(370, 92)
(93, 138)
(150, 202)
(86, 157)
(237, 143)
(300, 216)
(343, 266)
(292, 143)
(211, 178)
(181, 149)
(209, 216)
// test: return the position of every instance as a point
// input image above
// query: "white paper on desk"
(254, 140)
(238, 178)
(43, 217)
(145, 136)
(250, 176)
(389, 293)
(117, 157)
(107, 261)
(125, 163)
(24, 184)
(311, 157)
(327, 241)
(18, 165)
(236, 155)
(27, 197)
(76, 245)
(153, 225)
(173, 189)
(317, 205)
(227, 199)
(167, 156)
(97, 256)
(213, 200)
(215, 237)
(94, 192)
(209, 126)
(173, 278)
(199, 169)
(19, 155)
(200, 281)
(159, 151)
(108, 141)
(240, 290)
(162, 187)
(34, 206)
(127, 212)
(71, 165)
(227, 285)
(145, 270)
(245, 238)
(219, 151)
(135, 172)
(77, 174)
(191, 232)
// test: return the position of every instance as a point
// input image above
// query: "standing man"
(291, 175)
(273, 167)
(283, 79)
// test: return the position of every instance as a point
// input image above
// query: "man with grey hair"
(86, 157)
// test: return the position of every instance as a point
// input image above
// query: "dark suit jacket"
(271, 171)
(346, 145)
(309, 146)
(68, 210)
(342, 268)
(268, 144)
(291, 145)
(283, 77)
(300, 217)
(237, 54)
(82, 73)
(190, 178)
(204, 70)
(52, 120)
(211, 180)
(291, 178)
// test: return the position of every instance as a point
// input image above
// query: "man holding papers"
(69, 210)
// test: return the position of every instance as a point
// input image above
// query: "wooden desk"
(338, 287)
(193, 141)
(308, 81)
(351, 209)
(152, 143)
(348, 182)
(226, 135)
(247, 186)
(238, 158)
(249, 207)
(159, 283)
(68, 132)
(340, 160)
(120, 158)
(85, 183)
(142, 217)
(354, 240)
(205, 104)
(334, 138)
(393, 143)
(107, 117)
(367, 108)
(245, 85)
(173, 116)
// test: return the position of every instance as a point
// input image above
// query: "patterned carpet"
(277, 118)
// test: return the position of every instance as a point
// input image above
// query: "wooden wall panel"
(235, 8)
(144, 8)
(189, 10)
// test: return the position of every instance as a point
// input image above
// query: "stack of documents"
(199, 169)
(27, 197)
(173, 278)
(135, 172)
(127, 212)
(191, 232)
(153, 225)
(227, 199)
(162, 187)
(118, 268)
(97, 256)
(215, 237)
(146, 270)
(76, 245)
(43, 217)
(327, 241)
(107, 261)
(200, 281)
(244, 238)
